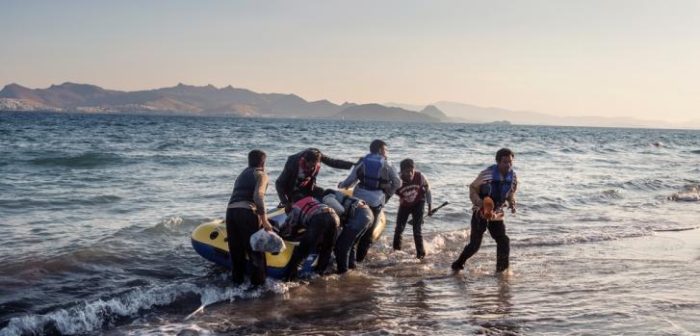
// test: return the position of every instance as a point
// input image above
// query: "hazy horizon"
(623, 59)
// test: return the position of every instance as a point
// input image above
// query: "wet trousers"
(366, 239)
(416, 211)
(241, 223)
(353, 229)
(497, 229)
(320, 235)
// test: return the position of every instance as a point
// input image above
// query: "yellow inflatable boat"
(210, 241)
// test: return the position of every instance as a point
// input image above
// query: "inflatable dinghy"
(210, 240)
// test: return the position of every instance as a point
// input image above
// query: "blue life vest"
(371, 178)
(500, 188)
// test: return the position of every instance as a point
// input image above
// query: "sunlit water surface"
(96, 213)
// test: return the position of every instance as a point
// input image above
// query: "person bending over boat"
(246, 215)
(355, 218)
(299, 174)
(314, 224)
(378, 180)
(490, 192)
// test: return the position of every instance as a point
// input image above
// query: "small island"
(499, 123)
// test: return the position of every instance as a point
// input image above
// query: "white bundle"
(266, 241)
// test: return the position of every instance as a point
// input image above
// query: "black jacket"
(285, 183)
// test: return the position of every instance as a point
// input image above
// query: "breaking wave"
(92, 316)
(690, 194)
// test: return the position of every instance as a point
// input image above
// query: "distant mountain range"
(236, 102)
(196, 100)
(459, 112)
(381, 112)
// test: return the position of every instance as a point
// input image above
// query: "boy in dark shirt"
(413, 194)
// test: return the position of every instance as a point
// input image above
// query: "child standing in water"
(413, 194)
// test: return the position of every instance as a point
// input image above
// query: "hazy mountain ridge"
(190, 100)
(460, 112)
(379, 112)
(433, 111)
(472, 113)
(238, 102)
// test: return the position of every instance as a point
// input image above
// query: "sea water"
(96, 213)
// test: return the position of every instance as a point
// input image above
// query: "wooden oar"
(432, 212)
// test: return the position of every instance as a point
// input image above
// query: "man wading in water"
(246, 215)
(489, 193)
(377, 182)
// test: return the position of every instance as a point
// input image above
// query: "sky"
(617, 58)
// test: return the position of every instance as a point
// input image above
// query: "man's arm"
(332, 201)
(287, 229)
(283, 182)
(428, 194)
(395, 179)
(259, 198)
(394, 182)
(511, 195)
(474, 187)
(336, 163)
(350, 181)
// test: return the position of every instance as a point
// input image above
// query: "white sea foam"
(691, 194)
(92, 316)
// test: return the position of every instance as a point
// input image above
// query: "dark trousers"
(240, 225)
(416, 211)
(497, 229)
(366, 238)
(320, 233)
(353, 229)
